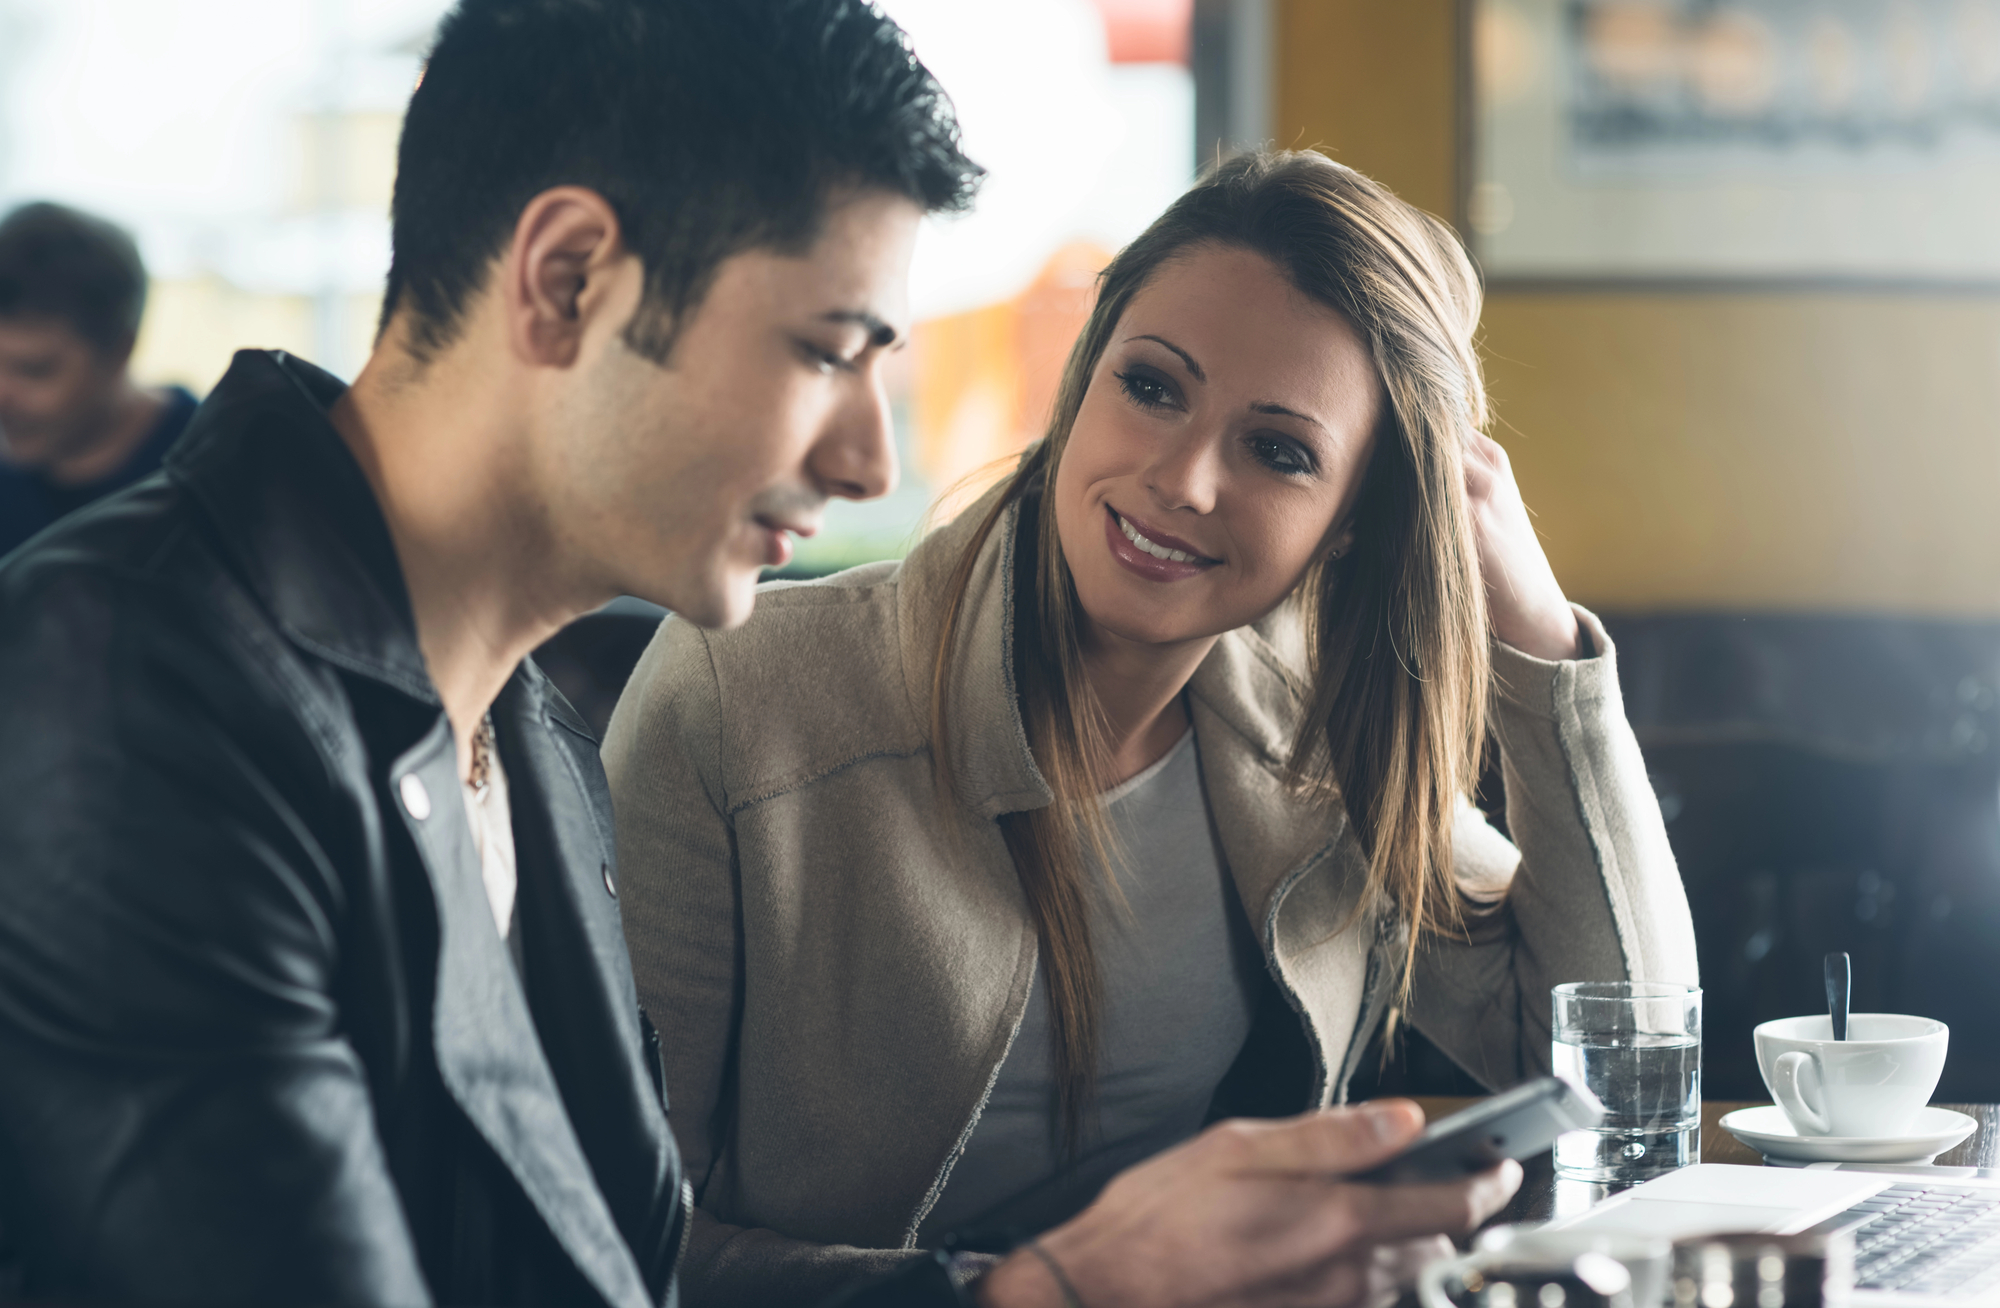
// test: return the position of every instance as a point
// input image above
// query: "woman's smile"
(1227, 424)
(1150, 552)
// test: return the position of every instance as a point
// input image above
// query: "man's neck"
(443, 451)
(120, 428)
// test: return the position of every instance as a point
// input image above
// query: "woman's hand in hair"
(1256, 1213)
(1523, 601)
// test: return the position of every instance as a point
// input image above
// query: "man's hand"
(1523, 601)
(1254, 1213)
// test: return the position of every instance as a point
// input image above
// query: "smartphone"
(1518, 1123)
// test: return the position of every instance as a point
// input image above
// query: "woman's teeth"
(1157, 551)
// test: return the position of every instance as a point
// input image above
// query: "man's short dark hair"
(63, 264)
(711, 127)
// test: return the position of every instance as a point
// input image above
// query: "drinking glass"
(1636, 1045)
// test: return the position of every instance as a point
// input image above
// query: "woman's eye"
(1280, 455)
(1149, 392)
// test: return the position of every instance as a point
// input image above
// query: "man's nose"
(856, 458)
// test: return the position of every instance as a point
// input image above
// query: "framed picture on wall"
(1838, 141)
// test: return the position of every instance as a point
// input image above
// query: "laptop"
(1924, 1237)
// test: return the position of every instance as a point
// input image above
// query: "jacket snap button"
(415, 797)
(609, 888)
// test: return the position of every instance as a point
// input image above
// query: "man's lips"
(778, 533)
(797, 526)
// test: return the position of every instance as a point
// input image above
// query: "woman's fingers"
(1524, 602)
(1488, 474)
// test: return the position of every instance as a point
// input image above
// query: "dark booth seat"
(1829, 783)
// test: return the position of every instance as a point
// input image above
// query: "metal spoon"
(1839, 987)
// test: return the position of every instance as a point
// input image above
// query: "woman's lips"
(1146, 564)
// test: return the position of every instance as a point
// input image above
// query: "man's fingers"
(1402, 1212)
(1331, 1143)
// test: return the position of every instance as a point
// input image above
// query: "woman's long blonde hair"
(1397, 666)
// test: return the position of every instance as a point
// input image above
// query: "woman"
(1136, 795)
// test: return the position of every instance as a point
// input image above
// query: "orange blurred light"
(986, 380)
(1147, 31)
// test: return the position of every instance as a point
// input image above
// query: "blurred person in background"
(313, 988)
(1137, 796)
(74, 426)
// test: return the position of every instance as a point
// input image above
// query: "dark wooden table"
(1542, 1196)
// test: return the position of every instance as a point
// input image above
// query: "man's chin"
(719, 606)
(735, 616)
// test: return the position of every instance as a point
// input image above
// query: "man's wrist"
(1017, 1281)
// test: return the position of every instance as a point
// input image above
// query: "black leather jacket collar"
(298, 519)
(259, 1042)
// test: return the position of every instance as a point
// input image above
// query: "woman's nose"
(1186, 473)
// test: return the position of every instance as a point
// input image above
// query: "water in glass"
(1651, 1089)
(1636, 1045)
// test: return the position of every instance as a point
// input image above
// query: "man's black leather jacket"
(259, 1041)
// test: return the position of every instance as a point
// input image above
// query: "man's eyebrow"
(1265, 406)
(1186, 358)
(880, 333)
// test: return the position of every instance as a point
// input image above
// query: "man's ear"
(558, 273)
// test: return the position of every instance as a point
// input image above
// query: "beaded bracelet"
(1070, 1297)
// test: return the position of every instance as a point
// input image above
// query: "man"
(73, 425)
(312, 986)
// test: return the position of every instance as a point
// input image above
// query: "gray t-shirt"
(1182, 973)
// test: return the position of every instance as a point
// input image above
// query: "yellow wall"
(194, 326)
(1808, 452)
(1374, 84)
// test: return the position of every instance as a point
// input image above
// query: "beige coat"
(836, 978)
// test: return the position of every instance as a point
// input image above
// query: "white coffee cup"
(1870, 1085)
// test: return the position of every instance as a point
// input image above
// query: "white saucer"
(1767, 1130)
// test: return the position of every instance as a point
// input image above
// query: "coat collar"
(580, 993)
(297, 519)
(489, 1054)
(1247, 696)
(992, 768)
(299, 523)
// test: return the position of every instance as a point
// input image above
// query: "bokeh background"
(250, 146)
(1742, 336)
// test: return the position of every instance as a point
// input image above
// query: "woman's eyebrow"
(1265, 406)
(1186, 358)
